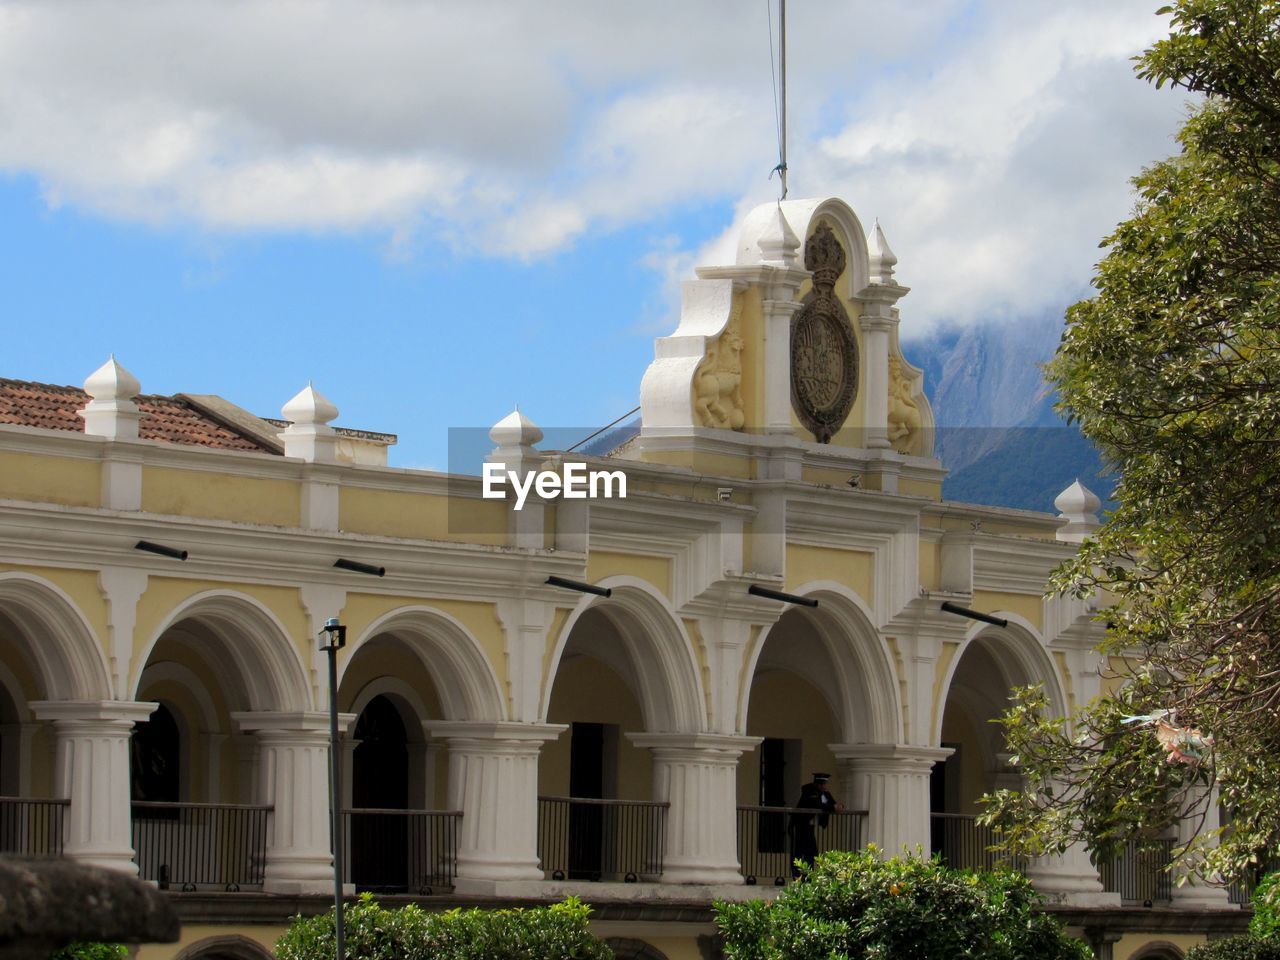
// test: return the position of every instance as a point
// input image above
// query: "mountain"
(999, 434)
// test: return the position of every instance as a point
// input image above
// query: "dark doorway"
(772, 837)
(586, 782)
(380, 782)
(155, 752)
(943, 781)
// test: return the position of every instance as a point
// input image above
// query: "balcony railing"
(401, 851)
(581, 839)
(1241, 892)
(200, 846)
(965, 844)
(1141, 873)
(31, 827)
(766, 838)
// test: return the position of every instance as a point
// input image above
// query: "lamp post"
(332, 639)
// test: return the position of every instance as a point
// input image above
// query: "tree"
(860, 905)
(1173, 369)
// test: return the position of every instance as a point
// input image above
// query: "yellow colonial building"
(768, 602)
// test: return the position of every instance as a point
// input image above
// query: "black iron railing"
(401, 851)
(1241, 891)
(200, 846)
(770, 838)
(1140, 874)
(31, 827)
(580, 839)
(965, 844)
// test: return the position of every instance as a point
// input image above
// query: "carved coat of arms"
(824, 354)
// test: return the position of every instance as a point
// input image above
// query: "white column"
(493, 780)
(293, 777)
(697, 774)
(1195, 893)
(1070, 878)
(891, 782)
(91, 769)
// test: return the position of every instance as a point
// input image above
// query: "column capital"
(104, 711)
(701, 746)
(307, 723)
(498, 731)
(889, 756)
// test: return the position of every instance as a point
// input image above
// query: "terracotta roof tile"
(169, 419)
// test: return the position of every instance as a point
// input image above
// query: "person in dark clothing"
(804, 842)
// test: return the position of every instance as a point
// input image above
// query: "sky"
(437, 211)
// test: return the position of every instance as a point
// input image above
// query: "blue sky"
(435, 211)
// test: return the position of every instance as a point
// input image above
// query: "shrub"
(1236, 948)
(91, 951)
(558, 932)
(858, 905)
(1266, 908)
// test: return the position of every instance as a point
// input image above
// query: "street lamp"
(332, 639)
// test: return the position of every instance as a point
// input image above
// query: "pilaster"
(697, 775)
(91, 769)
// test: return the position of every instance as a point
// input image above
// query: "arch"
(631, 948)
(1158, 950)
(405, 698)
(867, 702)
(267, 665)
(800, 215)
(183, 676)
(1020, 653)
(231, 946)
(467, 685)
(62, 644)
(671, 695)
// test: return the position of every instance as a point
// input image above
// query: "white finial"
(779, 245)
(112, 412)
(309, 406)
(1078, 506)
(309, 435)
(112, 382)
(881, 257)
(515, 430)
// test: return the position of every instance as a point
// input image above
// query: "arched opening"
(623, 668)
(47, 652)
(411, 668)
(198, 818)
(813, 684)
(991, 664)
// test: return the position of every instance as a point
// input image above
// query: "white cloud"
(994, 140)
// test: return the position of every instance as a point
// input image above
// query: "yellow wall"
(786, 706)
(29, 476)
(852, 568)
(421, 516)
(974, 778)
(588, 691)
(218, 496)
(1027, 605)
(265, 934)
(656, 570)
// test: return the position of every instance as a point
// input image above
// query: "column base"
(472, 867)
(702, 873)
(120, 861)
(299, 876)
(1202, 897)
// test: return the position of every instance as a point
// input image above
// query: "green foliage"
(1173, 370)
(558, 932)
(91, 951)
(1265, 923)
(1236, 948)
(858, 905)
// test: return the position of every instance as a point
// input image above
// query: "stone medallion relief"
(824, 354)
